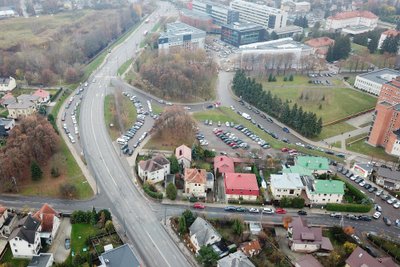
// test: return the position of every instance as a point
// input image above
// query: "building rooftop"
(241, 181)
(298, 169)
(41, 260)
(280, 44)
(250, 248)
(320, 42)
(391, 32)
(287, 181)
(119, 257)
(195, 14)
(203, 231)
(154, 164)
(380, 76)
(308, 261)
(353, 14)
(223, 164)
(46, 216)
(237, 259)
(328, 187)
(244, 26)
(313, 163)
(388, 174)
(361, 258)
(179, 29)
(195, 176)
(288, 29)
(27, 229)
(41, 93)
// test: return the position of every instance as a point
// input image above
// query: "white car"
(254, 210)
(396, 205)
(362, 183)
(379, 192)
(390, 201)
(300, 144)
(187, 108)
(232, 107)
(268, 211)
(353, 177)
(227, 124)
(377, 215)
(336, 214)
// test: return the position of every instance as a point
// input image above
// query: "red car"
(284, 149)
(280, 211)
(199, 206)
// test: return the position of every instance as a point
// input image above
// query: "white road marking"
(158, 249)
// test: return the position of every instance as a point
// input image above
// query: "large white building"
(7, 84)
(325, 191)
(261, 14)
(352, 20)
(181, 36)
(372, 82)
(25, 240)
(154, 170)
(286, 185)
(219, 13)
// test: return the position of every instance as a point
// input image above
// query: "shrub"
(171, 191)
(36, 172)
(348, 207)
(296, 202)
(68, 190)
(291, 77)
(55, 172)
(392, 248)
(285, 79)
(149, 190)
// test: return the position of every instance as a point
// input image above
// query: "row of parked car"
(230, 139)
(261, 142)
(256, 210)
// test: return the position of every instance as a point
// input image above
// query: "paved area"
(360, 120)
(283, 245)
(344, 136)
(57, 247)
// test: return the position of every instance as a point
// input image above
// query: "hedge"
(156, 195)
(392, 248)
(54, 97)
(348, 207)
(244, 202)
(353, 190)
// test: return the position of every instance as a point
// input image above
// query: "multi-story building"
(181, 36)
(373, 81)
(219, 13)
(320, 45)
(261, 14)
(296, 7)
(154, 170)
(325, 191)
(241, 186)
(352, 21)
(238, 34)
(24, 241)
(388, 178)
(195, 182)
(318, 165)
(385, 35)
(198, 20)
(286, 185)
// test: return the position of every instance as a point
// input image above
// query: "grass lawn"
(337, 104)
(110, 118)
(130, 76)
(128, 111)
(355, 138)
(124, 66)
(3, 112)
(377, 59)
(161, 144)
(333, 130)
(8, 258)
(157, 109)
(297, 80)
(337, 144)
(374, 152)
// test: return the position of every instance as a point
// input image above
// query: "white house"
(362, 169)
(385, 34)
(7, 84)
(325, 191)
(184, 155)
(43, 95)
(7, 221)
(195, 182)
(154, 170)
(286, 185)
(348, 19)
(24, 241)
(49, 222)
(371, 82)
(202, 233)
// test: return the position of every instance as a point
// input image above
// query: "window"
(14, 244)
(15, 250)
(291, 191)
(29, 245)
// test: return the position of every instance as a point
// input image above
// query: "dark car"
(230, 208)
(365, 218)
(370, 250)
(367, 186)
(269, 120)
(302, 212)
(240, 209)
(286, 130)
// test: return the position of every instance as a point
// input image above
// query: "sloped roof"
(320, 42)
(354, 14)
(120, 257)
(224, 164)
(328, 187)
(308, 261)
(27, 229)
(46, 216)
(183, 152)
(237, 259)
(27, 98)
(302, 233)
(203, 231)
(241, 181)
(388, 174)
(297, 169)
(41, 93)
(313, 163)
(197, 176)
(154, 164)
(391, 32)
(250, 248)
(387, 262)
(286, 181)
(361, 258)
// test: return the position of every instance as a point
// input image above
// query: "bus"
(145, 33)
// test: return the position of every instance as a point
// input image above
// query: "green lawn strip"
(226, 114)
(124, 66)
(8, 258)
(157, 109)
(333, 130)
(297, 80)
(339, 102)
(129, 109)
(365, 124)
(4, 113)
(156, 26)
(337, 144)
(355, 138)
(68, 90)
(109, 104)
(375, 152)
(130, 76)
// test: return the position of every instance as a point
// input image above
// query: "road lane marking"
(158, 249)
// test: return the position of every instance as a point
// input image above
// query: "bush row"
(352, 190)
(54, 97)
(348, 207)
(390, 247)
(296, 202)
(80, 216)
(156, 195)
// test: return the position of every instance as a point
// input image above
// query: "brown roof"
(46, 217)
(308, 261)
(302, 233)
(223, 164)
(154, 164)
(183, 152)
(387, 262)
(250, 248)
(320, 42)
(361, 258)
(197, 176)
(353, 14)
(391, 32)
(41, 93)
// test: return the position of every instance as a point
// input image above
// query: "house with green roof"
(317, 165)
(297, 169)
(325, 191)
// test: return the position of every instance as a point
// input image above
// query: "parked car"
(364, 218)
(241, 209)
(357, 239)
(377, 215)
(387, 221)
(378, 208)
(268, 211)
(230, 208)
(254, 210)
(286, 130)
(67, 243)
(396, 205)
(302, 212)
(198, 206)
(336, 215)
(280, 211)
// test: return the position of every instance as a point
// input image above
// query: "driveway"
(57, 247)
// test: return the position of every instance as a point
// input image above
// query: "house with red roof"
(8, 99)
(223, 164)
(241, 185)
(359, 21)
(361, 258)
(320, 45)
(386, 34)
(43, 95)
(195, 182)
(49, 221)
(184, 156)
(250, 248)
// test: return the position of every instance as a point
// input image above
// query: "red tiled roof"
(7, 96)
(308, 261)
(320, 42)
(183, 152)
(224, 164)
(360, 257)
(46, 216)
(391, 32)
(197, 176)
(241, 182)
(353, 14)
(250, 248)
(41, 93)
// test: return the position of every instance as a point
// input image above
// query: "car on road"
(336, 215)
(241, 209)
(198, 206)
(268, 211)
(286, 130)
(230, 208)
(302, 212)
(378, 208)
(365, 218)
(280, 211)
(254, 210)
(67, 243)
(377, 215)
(387, 221)
(187, 108)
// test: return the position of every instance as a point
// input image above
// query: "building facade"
(184, 156)
(388, 179)
(286, 185)
(321, 192)
(202, 233)
(385, 35)
(154, 170)
(195, 182)
(260, 14)
(7, 84)
(373, 81)
(238, 34)
(198, 20)
(219, 13)
(181, 36)
(320, 45)
(351, 19)
(24, 241)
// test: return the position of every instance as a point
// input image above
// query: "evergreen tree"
(207, 256)
(174, 164)
(36, 172)
(291, 77)
(171, 191)
(373, 45)
(182, 228)
(94, 217)
(329, 54)
(237, 227)
(270, 77)
(390, 45)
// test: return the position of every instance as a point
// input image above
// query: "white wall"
(324, 198)
(21, 249)
(367, 85)
(154, 177)
(245, 197)
(278, 193)
(305, 247)
(194, 189)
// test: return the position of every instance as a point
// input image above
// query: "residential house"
(223, 164)
(308, 261)
(363, 170)
(8, 221)
(119, 257)
(154, 170)
(26, 105)
(386, 34)
(251, 248)
(286, 185)
(184, 156)
(318, 165)
(303, 238)
(24, 241)
(361, 258)
(241, 186)
(320, 45)
(43, 96)
(297, 169)
(352, 22)
(195, 182)
(388, 179)
(325, 191)
(7, 99)
(49, 222)
(42, 260)
(5, 126)
(7, 84)
(237, 259)
(210, 182)
(202, 233)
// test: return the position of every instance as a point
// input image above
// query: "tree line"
(340, 50)
(306, 123)
(301, 22)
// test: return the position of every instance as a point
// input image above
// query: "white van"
(121, 141)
